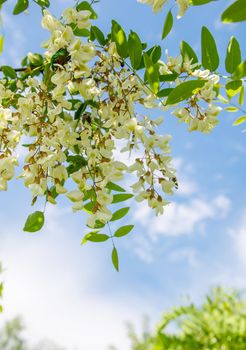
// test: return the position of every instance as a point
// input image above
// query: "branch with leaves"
(79, 102)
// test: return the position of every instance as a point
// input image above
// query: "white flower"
(70, 15)
(7, 167)
(75, 196)
(78, 206)
(103, 215)
(60, 77)
(104, 197)
(201, 73)
(49, 22)
(37, 189)
(156, 4)
(83, 19)
(5, 117)
(59, 173)
(60, 189)
(183, 6)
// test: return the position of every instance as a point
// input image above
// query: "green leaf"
(135, 49)
(168, 24)
(119, 214)
(1, 43)
(210, 57)
(154, 53)
(119, 37)
(76, 162)
(240, 120)
(20, 6)
(184, 91)
(34, 222)
(123, 231)
(98, 34)
(115, 259)
(233, 88)
(236, 12)
(95, 237)
(117, 198)
(9, 72)
(90, 194)
(200, 2)
(88, 207)
(231, 109)
(35, 59)
(98, 224)
(81, 110)
(164, 92)
(152, 73)
(114, 187)
(187, 52)
(240, 71)
(75, 103)
(168, 77)
(233, 55)
(2, 2)
(84, 5)
(43, 3)
(241, 96)
(80, 32)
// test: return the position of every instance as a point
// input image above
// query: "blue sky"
(71, 293)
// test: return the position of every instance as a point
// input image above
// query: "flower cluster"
(73, 117)
(158, 4)
(200, 111)
(74, 106)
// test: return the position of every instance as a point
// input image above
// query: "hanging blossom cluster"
(157, 5)
(73, 118)
(200, 111)
(77, 104)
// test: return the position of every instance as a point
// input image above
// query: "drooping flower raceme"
(78, 102)
(79, 145)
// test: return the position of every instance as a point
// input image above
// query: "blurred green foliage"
(11, 338)
(218, 324)
(1, 289)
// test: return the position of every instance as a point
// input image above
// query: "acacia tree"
(79, 98)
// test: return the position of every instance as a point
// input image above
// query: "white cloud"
(239, 238)
(183, 218)
(187, 186)
(184, 255)
(52, 282)
(15, 41)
